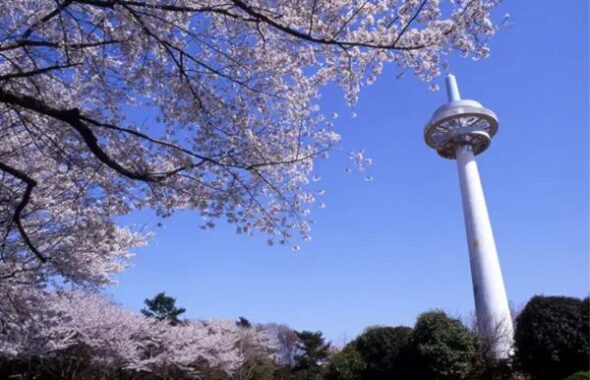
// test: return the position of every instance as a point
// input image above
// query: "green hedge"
(584, 375)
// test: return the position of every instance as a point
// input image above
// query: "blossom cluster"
(68, 324)
(112, 106)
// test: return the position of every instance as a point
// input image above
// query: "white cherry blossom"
(112, 106)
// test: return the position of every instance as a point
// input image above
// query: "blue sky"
(387, 250)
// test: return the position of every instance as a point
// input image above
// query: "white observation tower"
(460, 130)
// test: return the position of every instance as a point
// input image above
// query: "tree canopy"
(228, 97)
(312, 356)
(163, 308)
(82, 335)
(443, 348)
(243, 323)
(384, 350)
(552, 337)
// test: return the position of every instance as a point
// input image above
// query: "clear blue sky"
(387, 250)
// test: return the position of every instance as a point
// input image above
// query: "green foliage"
(552, 337)
(584, 375)
(163, 308)
(384, 350)
(486, 368)
(437, 348)
(259, 367)
(314, 353)
(264, 370)
(243, 323)
(347, 364)
(441, 348)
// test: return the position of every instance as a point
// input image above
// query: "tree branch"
(309, 37)
(46, 18)
(73, 118)
(35, 43)
(401, 33)
(16, 218)
(38, 71)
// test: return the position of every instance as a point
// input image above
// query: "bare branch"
(320, 40)
(37, 71)
(72, 117)
(16, 218)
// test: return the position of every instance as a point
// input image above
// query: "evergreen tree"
(163, 308)
(314, 353)
(384, 350)
(552, 337)
(243, 323)
(347, 364)
(441, 348)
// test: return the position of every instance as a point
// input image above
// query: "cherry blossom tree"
(258, 351)
(81, 331)
(230, 90)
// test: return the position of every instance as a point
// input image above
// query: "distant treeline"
(84, 336)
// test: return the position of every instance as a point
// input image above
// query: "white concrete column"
(491, 303)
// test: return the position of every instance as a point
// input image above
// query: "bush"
(552, 337)
(382, 349)
(347, 364)
(584, 375)
(442, 348)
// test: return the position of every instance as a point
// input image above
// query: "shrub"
(382, 349)
(442, 348)
(552, 337)
(584, 375)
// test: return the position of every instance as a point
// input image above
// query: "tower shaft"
(460, 130)
(491, 304)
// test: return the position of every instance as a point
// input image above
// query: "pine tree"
(163, 308)
(314, 354)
